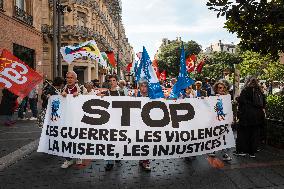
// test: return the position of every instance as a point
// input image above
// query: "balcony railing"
(23, 16)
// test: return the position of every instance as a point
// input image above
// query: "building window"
(25, 54)
(81, 19)
(23, 11)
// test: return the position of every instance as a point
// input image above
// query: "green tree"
(169, 56)
(258, 23)
(262, 66)
(217, 62)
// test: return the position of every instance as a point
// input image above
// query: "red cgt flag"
(16, 76)
(190, 63)
(200, 66)
(129, 66)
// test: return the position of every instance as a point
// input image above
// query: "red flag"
(163, 75)
(190, 63)
(16, 76)
(129, 66)
(111, 58)
(200, 66)
(155, 66)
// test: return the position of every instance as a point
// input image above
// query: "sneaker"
(109, 167)
(252, 156)
(226, 157)
(212, 154)
(239, 153)
(146, 165)
(67, 164)
(79, 161)
(33, 119)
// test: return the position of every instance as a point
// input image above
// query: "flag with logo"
(16, 76)
(190, 63)
(86, 49)
(183, 80)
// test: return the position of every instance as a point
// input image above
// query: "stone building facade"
(20, 30)
(86, 20)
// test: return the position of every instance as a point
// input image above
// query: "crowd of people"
(251, 106)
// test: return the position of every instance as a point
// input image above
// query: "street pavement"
(38, 170)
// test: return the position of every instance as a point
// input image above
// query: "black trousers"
(247, 139)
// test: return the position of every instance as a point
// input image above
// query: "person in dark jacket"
(7, 106)
(251, 118)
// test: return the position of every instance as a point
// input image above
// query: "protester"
(251, 118)
(70, 88)
(189, 92)
(143, 92)
(33, 98)
(220, 88)
(198, 89)
(89, 89)
(122, 87)
(7, 107)
(50, 89)
(22, 109)
(113, 91)
(208, 87)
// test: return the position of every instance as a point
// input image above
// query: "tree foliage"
(258, 23)
(262, 66)
(217, 62)
(169, 56)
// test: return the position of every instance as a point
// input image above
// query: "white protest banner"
(130, 128)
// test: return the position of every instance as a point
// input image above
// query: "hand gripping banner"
(130, 128)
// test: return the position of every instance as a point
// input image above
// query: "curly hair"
(215, 87)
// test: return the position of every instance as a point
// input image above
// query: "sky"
(147, 22)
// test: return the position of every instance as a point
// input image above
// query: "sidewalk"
(17, 141)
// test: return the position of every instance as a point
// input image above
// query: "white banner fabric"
(132, 128)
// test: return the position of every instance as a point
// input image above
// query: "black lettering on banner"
(125, 151)
(103, 134)
(81, 148)
(83, 133)
(51, 131)
(66, 147)
(113, 135)
(54, 146)
(63, 135)
(180, 149)
(145, 150)
(178, 118)
(190, 148)
(208, 132)
(169, 135)
(206, 145)
(145, 114)
(136, 150)
(184, 136)
(200, 133)
(87, 107)
(157, 136)
(100, 148)
(92, 134)
(122, 134)
(126, 106)
(110, 149)
(90, 149)
(73, 133)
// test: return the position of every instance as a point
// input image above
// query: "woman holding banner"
(143, 92)
(220, 88)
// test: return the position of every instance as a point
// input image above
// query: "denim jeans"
(33, 106)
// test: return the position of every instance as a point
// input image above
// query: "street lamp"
(58, 12)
